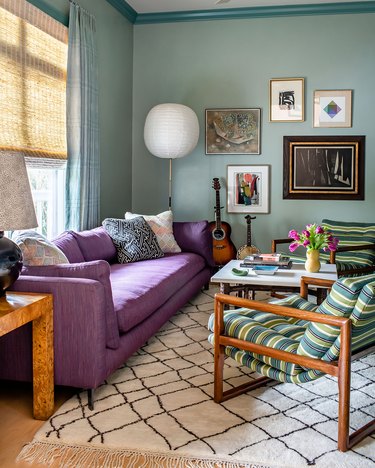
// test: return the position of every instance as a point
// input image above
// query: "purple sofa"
(104, 311)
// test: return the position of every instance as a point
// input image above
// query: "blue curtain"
(83, 167)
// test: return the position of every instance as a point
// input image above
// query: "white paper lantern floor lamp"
(171, 131)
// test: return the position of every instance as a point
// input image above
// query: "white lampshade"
(16, 202)
(171, 131)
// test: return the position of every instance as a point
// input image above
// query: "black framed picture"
(324, 167)
(287, 99)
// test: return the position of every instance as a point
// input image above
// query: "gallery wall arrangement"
(314, 167)
(233, 65)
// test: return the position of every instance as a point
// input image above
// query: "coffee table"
(282, 281)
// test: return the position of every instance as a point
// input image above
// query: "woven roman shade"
(33, 61)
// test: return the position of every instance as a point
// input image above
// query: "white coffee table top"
(291, 277)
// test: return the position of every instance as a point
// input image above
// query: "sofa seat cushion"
(140, 288)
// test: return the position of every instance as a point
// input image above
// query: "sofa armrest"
(79, 327)
(97, 270)
(195, 236)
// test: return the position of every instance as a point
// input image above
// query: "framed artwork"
(287, 100)
(333, 108)
(324, 167)
(248, 189)
(232, 131)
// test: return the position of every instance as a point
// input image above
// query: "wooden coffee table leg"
(43, 379)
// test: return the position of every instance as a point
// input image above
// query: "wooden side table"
(17, 309)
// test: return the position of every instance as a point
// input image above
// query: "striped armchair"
(293, 340)
(356, 249)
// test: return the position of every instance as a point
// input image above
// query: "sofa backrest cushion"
(95, 244)
(98, 270)
(68, 244)
(196, 237)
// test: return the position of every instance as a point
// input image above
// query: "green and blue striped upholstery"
(350, 235)
(349, 297)
(340, 302)
(363, 320)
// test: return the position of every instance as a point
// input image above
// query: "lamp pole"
(171, 131)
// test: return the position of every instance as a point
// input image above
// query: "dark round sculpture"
(10, 263)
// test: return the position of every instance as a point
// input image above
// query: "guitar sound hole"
(218, 234)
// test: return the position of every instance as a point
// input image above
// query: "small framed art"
(287, 100)
(232, 131)
(324, 167)
(248, 189)
(333, 108)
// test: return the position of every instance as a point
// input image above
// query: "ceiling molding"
(241, 13)
(125, 9)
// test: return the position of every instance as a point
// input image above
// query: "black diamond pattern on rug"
(161, 401)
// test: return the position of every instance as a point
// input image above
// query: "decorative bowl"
(265, 269)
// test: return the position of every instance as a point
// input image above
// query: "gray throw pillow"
(134, 239)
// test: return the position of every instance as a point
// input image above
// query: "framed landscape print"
(324, 167)
(232, 131)
(333, 108)
(248, 189)
(287, 100)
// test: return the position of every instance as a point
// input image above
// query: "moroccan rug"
(158, 411)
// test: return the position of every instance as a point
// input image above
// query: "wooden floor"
(17, 425)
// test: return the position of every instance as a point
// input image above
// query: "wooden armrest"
(350, 248)
(221, 299)
(308, 280)
(275, 243)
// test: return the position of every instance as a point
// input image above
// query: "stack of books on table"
(274, 259)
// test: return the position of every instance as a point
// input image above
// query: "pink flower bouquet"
(314, 237)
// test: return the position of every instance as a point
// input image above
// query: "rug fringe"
(96, 457)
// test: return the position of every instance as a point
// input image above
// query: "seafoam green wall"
(229, 64)
(115, 58)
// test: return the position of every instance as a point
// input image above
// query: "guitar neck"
(217, 210)
(248, 237)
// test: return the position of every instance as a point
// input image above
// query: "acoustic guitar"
(223, 247)
(247, 249)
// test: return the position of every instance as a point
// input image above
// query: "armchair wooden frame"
(332, 256)
(340, 369)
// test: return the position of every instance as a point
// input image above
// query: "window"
(33, 58)
(48, 189)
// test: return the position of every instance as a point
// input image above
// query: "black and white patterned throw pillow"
(134, 239)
